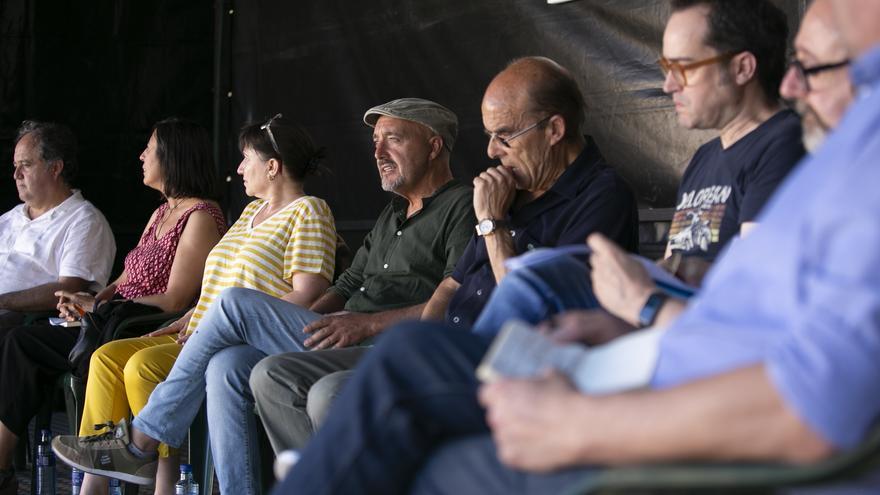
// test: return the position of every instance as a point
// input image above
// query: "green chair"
(751, 478)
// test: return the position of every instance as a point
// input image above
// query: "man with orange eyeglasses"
(723, 69)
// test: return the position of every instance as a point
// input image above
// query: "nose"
(494, 148)
(240, 169)
(670, 85)
(792, 88)
(16, 173)
(143, 155)
(379, 149)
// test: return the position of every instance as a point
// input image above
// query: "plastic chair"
(752, 478)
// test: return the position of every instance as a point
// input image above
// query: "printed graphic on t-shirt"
(697, 220)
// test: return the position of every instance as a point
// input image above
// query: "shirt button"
(456, 320)
(385, 265)
(512, 233)
(363, 289)
(479, 292)
(530, 246)
(399, 233)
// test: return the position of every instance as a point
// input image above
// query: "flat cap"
(432, 115)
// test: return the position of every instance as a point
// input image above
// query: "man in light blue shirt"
(775, 359)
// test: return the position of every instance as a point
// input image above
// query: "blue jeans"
(401, 421)
(240, 327)
(535, 293)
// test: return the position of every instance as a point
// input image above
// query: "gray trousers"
(293, 392)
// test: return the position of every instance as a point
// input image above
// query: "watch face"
(486, 226)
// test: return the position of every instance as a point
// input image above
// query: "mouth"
(386, 168)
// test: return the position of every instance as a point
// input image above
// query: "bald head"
(859, 21)
(538, 85)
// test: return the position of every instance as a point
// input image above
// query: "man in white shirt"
(55, 240)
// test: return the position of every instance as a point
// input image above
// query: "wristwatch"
(651, 309)
(488, 226)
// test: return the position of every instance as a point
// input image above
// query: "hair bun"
(315, 160)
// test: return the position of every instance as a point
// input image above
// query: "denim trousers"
(408, 421)
(241, 327)
(537, 292)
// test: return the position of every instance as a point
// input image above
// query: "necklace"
(165, 217)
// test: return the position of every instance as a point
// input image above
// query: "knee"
(267, 383)
(323, 393)
(227, 370)
(142, 371)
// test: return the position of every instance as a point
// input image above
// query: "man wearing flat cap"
(415, 243)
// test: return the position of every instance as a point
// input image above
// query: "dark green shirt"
(403, 259)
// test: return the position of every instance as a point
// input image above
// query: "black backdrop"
(325, 62)
(111, 68)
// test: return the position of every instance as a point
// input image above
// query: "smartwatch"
(651, 309)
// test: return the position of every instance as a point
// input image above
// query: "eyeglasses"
(803, 73)
(679, 70)
(268, 128)
(505, 141)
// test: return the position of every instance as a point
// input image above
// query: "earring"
(271, 177)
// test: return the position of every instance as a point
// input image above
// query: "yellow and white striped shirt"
(301, 237)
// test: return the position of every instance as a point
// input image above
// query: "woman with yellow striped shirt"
(283, 245)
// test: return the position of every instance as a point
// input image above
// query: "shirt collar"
(865, 71)
(581, 169)
(67, 205)
(401, 204)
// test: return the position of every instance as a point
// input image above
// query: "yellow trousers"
(122, 375)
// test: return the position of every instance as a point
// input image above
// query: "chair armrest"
(733, 477)
(140, 325)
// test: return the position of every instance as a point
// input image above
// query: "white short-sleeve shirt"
(71, 240)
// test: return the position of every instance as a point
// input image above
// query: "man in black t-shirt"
(726, 77)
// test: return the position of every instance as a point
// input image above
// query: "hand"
(106, 294)
(494, 190)
(71, 304)
(528, 417)
(620, 283)
(175, 327)
(337, 330)
(586, 326)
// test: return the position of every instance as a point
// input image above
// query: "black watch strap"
(651, 309)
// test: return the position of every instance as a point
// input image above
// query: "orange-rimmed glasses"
(679, 70)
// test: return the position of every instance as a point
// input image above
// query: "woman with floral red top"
(162, 273)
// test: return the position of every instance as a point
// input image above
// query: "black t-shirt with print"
(724, 188)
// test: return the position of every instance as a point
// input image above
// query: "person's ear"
(556, 129)
(436, 143)
(744, 67)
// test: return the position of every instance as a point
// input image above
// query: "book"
(626, 363)
(665, 281)
(61, 322)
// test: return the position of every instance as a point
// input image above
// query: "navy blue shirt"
(588, 197)
(724, 188)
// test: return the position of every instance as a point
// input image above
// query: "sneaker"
(107, 455)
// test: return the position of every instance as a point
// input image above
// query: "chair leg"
(200, 457)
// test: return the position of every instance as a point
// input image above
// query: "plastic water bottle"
(45, 482)
(182, 487)
(193, 489)
(115, 487)
(76, 481)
